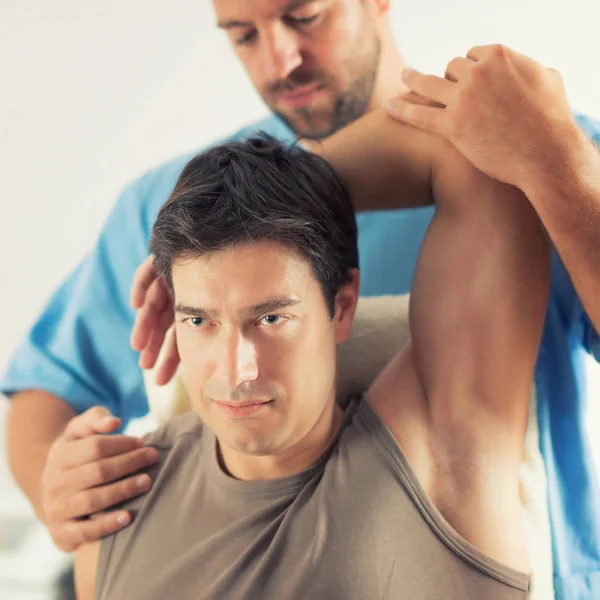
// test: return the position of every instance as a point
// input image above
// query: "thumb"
(97, 419)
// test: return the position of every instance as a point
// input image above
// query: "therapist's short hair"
(260, 189)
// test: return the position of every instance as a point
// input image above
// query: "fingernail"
(389, 105)
(406, 73)
(123, 519)
(143, 482)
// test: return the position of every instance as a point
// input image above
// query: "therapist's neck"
(388, 82)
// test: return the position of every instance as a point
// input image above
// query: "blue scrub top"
(79, 348)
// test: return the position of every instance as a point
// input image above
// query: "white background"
(93, 92)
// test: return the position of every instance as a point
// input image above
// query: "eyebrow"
(252, 311)
(290, 6)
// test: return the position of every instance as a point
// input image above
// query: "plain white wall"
(94, 92)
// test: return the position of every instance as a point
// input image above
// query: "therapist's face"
(258, 345)
(313, 62)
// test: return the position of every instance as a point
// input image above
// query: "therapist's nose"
(280, 53)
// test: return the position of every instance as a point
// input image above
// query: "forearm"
(35, 419)
(383, 164)
(567, 200)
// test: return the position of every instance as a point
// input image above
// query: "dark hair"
(260, 189)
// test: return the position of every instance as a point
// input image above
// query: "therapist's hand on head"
(89, 471)
(152, 298)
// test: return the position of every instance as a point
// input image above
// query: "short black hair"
(254, 190)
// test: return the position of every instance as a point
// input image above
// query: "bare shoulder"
(86, 565)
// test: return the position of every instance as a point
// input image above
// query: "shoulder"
(173, 432)
(175, 442)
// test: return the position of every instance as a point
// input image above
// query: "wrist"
(559, 167)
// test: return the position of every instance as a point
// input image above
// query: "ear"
(345, 307)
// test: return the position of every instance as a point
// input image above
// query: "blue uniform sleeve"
(574, 318)
(79, 347)
(572, 312)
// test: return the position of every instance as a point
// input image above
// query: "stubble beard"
(347, 106)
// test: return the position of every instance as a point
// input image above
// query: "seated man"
(269, 489)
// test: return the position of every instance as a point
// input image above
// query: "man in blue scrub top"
(319, 64)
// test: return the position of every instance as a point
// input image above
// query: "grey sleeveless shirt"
(355, 526)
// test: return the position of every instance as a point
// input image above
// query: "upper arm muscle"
(382, 163)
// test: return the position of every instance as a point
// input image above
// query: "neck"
(388, 83)
(291, 460)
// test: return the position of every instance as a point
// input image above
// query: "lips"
(252, 402)
(243, 410)
(301, 96)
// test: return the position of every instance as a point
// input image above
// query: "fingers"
(429, 86)
(157, 299)
(75, 533)
(108, 470)
(153, 347)
(479, 53)
(416, 99)
(98, 499)
(98, 447)
(144, 276)
(84, 474)
(170, 360)
(97, 419)
(423, 117)
(458, 68)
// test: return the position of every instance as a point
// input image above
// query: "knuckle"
(479, 73)
(97, 447)
(89, 504)
(457, 60)
(63, 541)
(100, 472)
(88, 534)
(499, 51)
(91, 413)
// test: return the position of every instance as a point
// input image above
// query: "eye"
(272, 319)
(301, 21)
(194, 322)
(246, 38)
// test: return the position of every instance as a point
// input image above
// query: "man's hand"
(151, 296)
(81, 479)
(507, 114)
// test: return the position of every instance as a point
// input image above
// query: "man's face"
(313, 62)
(257, 345)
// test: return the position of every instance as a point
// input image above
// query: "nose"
(237, 362)
(280, 53)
